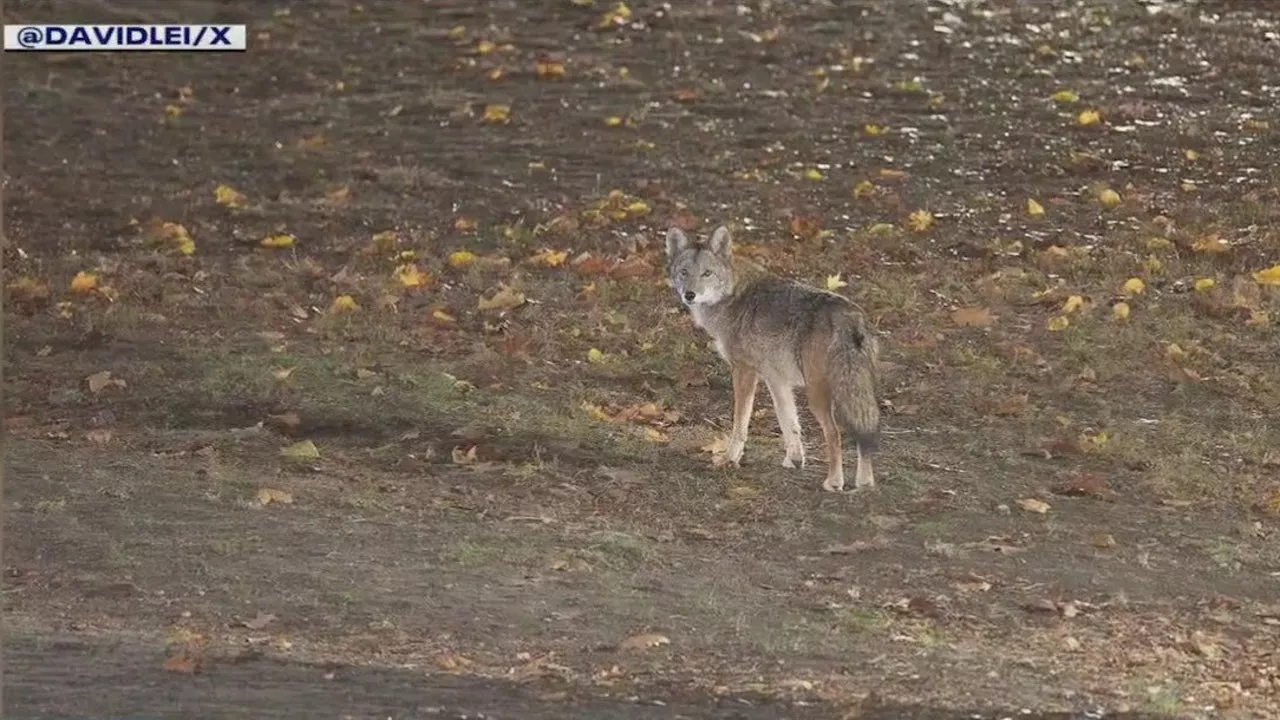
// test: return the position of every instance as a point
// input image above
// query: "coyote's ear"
(721, 242)
(676, 241)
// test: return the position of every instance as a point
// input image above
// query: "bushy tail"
(855, 354)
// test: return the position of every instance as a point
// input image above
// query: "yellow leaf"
(457, 32)
(228, 196)
(84, 282)
(1210, 244)
(864, 189)
(304, 450)
(1109, 198)
(1034, 209)
(484, 47)
(443, 316)
(278, 241)
(172, 112)
(595, 412)
(344, 304)
(1205, 284)
(1153, 264)
(1258, 318)
(835, 283)
(1133, 286)
(460, 259)
(1270, 276)
(873, 130)
(813, 174)
(1057, 323)
(1120, 311)
(613, 121)
(595, 356)
(881, 229)
(464, 457)
(920, 221)
(548, 69)
(505, 299)
(1066, 97)
(718, 445)
(549, 258)
(385, 241)
(1088, 117)
(619, 15)
(497, 114)
(655, 436)
(1072, 304)
(338, 197)
(266, 496)
(464, 224)
(1159, 243)
(638, 207)
(410, 276)
(1034, 505)
(1191, 155)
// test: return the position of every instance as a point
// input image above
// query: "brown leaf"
(685, 95)
(100, 381)
(183, 663)
(286, 423)
(464, 457)
(1033, 505)
(261, 621)
(644, 641)
(101, 436)
(1088, 485)
(972, 317)
(266, 496)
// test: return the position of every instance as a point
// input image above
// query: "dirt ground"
(342, 378)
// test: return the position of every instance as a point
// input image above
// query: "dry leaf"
(644, 641)
(920, 221)
(100, 381)
(497, 114)
(302, 450)
(183, 664)
(1270, 276)
(1057, 323)
(1034, 209)
(1109, 198)
(1034, 505)
(464, 457)
(1120, 311)
(266, 496)
(84, 282)
(228, 196)
(1133, 286)
(972, 317)
(344, 304)
(1072, 304)
(505, 299)
(283, 240)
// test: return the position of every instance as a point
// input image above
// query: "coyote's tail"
(855, 353)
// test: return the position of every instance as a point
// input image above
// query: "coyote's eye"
(706, 273)
(684, 272)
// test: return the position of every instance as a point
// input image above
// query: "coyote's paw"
(833, 484)
(734, 453)
(794, 457)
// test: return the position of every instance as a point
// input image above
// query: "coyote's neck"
(710, 317)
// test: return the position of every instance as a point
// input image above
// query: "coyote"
(790, 335)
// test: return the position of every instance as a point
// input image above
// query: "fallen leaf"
(595, 356)
(1120, 311)
(183, 664)
(549, 258)
(460, 259)
(84, 282)
(259, 622)
(1034, 209)
(284, 422)
(228, 196)
(835, 283)
(1088, 118)
(1133, 286)
(100, 381)
(266, 496)
(464, 457)
(283, 374)
(1109, 198)
(344, 304)
(278, 241)
(302, 450)
(505, 299)
(497, 114)
(972, 317)
(813, 174)
(99, 436)
(1033, 505)
(654, 435)
(920, 221)
(1065, 97)
(410, 276)
(1102, 541)
(1210, 244)
(1087, 485)
(1205, 284)
(718, 446)
(548, 69)
(597, 413)
(1269, 277)
(1057, 323)
(1072, 304)
(864, 189)
(644, 641)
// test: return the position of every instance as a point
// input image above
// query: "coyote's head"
(701, 273)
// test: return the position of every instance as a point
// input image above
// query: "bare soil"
(512, 507)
